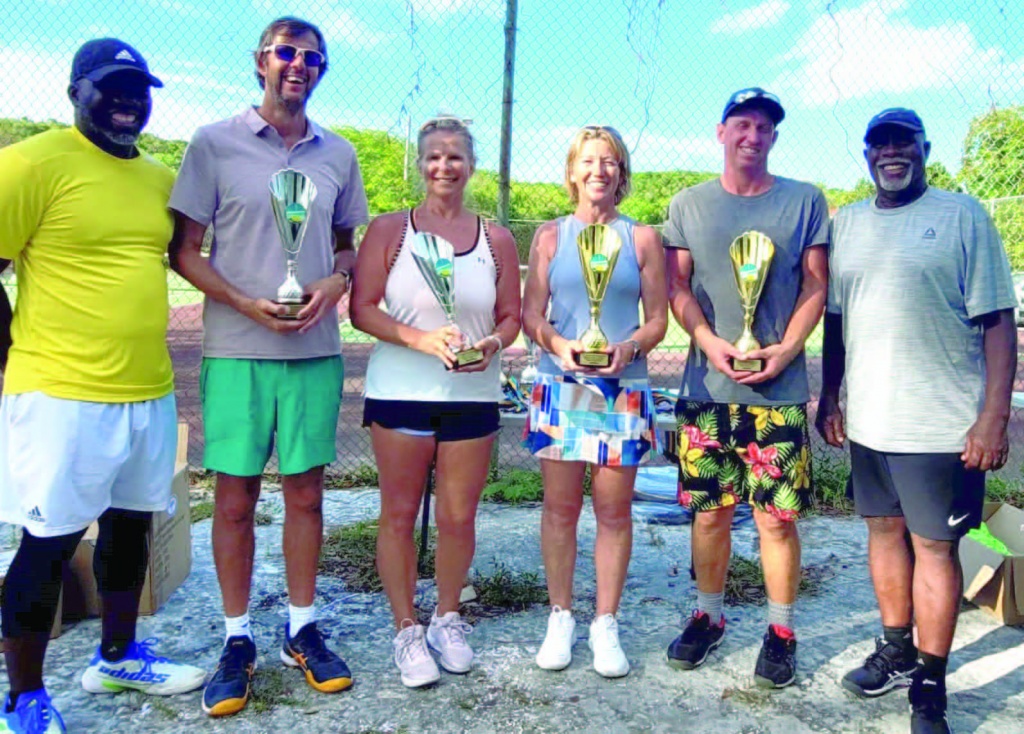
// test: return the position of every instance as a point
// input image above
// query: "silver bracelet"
(496, 338)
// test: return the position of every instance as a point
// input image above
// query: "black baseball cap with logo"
(103, 56)
(757, 98)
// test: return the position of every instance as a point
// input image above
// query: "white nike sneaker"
(141, 670)
(413, 658)
(609, 660)
(447, 635)
(556, 652)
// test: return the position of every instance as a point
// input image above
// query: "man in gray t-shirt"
(268, 382)
(743, 434)
(920, 322)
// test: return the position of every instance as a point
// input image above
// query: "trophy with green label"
(751, 254)
(435, 258)
(598, 246)
(291, 195)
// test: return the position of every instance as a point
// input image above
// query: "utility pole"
(505, 159)
(408, 134)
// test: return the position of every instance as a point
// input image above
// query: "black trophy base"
(467, 358)
(746, 365)
(595, 360)
(292, 308)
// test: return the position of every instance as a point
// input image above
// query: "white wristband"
(496, 338)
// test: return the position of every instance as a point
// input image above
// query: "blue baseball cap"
(755, 97)
(100, 57)
(899, 116)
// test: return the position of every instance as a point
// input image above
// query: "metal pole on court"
(505, 159)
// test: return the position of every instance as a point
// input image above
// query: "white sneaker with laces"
(141, 670)
(413, 658)
(609, 660)
(556, 652)
(447, 635)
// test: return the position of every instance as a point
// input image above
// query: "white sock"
(238, 626)
(299, 617)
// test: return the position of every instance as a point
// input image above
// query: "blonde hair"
(610, 136)
(446, 124)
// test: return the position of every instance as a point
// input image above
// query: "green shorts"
(249, 404)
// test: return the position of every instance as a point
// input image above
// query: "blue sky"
(658, 71)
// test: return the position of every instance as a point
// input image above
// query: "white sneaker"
(556, 652)
(447, 635)
(413, 658)
(141, 670)
(609, 660)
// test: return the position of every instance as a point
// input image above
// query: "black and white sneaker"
(692, 647)
(776, 665)
(888, 667)
(928, 706)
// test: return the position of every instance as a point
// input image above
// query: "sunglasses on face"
(286, 52)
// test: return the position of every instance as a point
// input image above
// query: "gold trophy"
(599, 246)
(291, 194)
(435, 258)
(751, 254)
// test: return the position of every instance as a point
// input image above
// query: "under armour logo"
(929, 234)
(125, 55)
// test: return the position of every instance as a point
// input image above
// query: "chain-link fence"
(658, 71)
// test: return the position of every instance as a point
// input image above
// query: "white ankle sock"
(238, 626)
(299, 617)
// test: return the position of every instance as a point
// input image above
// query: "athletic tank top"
(402, 373)
(570, 307)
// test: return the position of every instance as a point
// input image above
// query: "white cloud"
(766, 14)
(873, 49)
(346, 28)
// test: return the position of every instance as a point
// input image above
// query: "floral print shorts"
(729, 453)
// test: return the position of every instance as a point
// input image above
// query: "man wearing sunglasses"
(88, 426)
(266, 381)
(743, 428)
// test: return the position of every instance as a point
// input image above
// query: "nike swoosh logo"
(954, 522)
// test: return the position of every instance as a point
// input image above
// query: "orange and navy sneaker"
(325, 670)
(229, 688)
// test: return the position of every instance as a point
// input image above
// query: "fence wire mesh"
(656, 70)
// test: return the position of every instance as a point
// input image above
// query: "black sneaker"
(229, 688)
(691, 649)
(776, 664)
(886, 668)
(325, 670)
(928, 706)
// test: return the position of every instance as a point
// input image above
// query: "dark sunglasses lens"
(312, 59)
(285, 52)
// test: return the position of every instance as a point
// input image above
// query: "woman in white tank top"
(418, 408)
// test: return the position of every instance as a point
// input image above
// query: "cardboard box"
(992, 581)
(170, 551)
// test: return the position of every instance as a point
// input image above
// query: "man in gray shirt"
(743, 434)
(268, 381)
(920, 321)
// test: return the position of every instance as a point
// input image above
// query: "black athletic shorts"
(447, 421)
(938, 497)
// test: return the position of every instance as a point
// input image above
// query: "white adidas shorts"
(63, 463)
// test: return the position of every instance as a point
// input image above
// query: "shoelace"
(455, 632)
(609, 632)
(39, 713)
(880, 660)
(410, 646)
(233, 660)
(145, 654)
(314, 647)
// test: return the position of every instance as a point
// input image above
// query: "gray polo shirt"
(224, 180)
(910, 284)
(705, 219)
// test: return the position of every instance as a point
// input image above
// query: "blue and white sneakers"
(34, 714)
(141, 670)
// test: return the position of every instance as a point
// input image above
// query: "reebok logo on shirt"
(929, 234)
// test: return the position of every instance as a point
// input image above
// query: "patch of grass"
(201, 511)
(364, 475)
(515, 487)
(350, 553)
(263, 518)
(270, 689)
(504, 590)
(745, 582)
(831, 473)
(1010, 491)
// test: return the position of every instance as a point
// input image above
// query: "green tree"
(382, 162)
(993, 162)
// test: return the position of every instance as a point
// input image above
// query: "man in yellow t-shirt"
(87, 418)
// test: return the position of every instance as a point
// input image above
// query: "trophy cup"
(529, 374)
(435, 258)
(598, 246)
(291, 195)
(751, 254)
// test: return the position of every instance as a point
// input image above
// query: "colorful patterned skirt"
(600, 420)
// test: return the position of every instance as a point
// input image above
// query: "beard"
(292, 104)
(897, 184)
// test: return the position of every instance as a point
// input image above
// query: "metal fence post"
(505, 159)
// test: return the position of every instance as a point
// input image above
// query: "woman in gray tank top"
(602, 417)
(420, 412)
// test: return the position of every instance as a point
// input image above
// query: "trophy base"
(467, 358)
(747, 365)
(293, 308)
(592, 359)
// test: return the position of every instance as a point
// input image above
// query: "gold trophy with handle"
(751, 254)
(598, 246)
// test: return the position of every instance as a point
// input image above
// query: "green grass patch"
(1010, 491)
(831, 472)
(514, 487)
(271, 688)
(350, 553)
(504, 590)
(364, 475)
(201, 511)
(745, 582)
